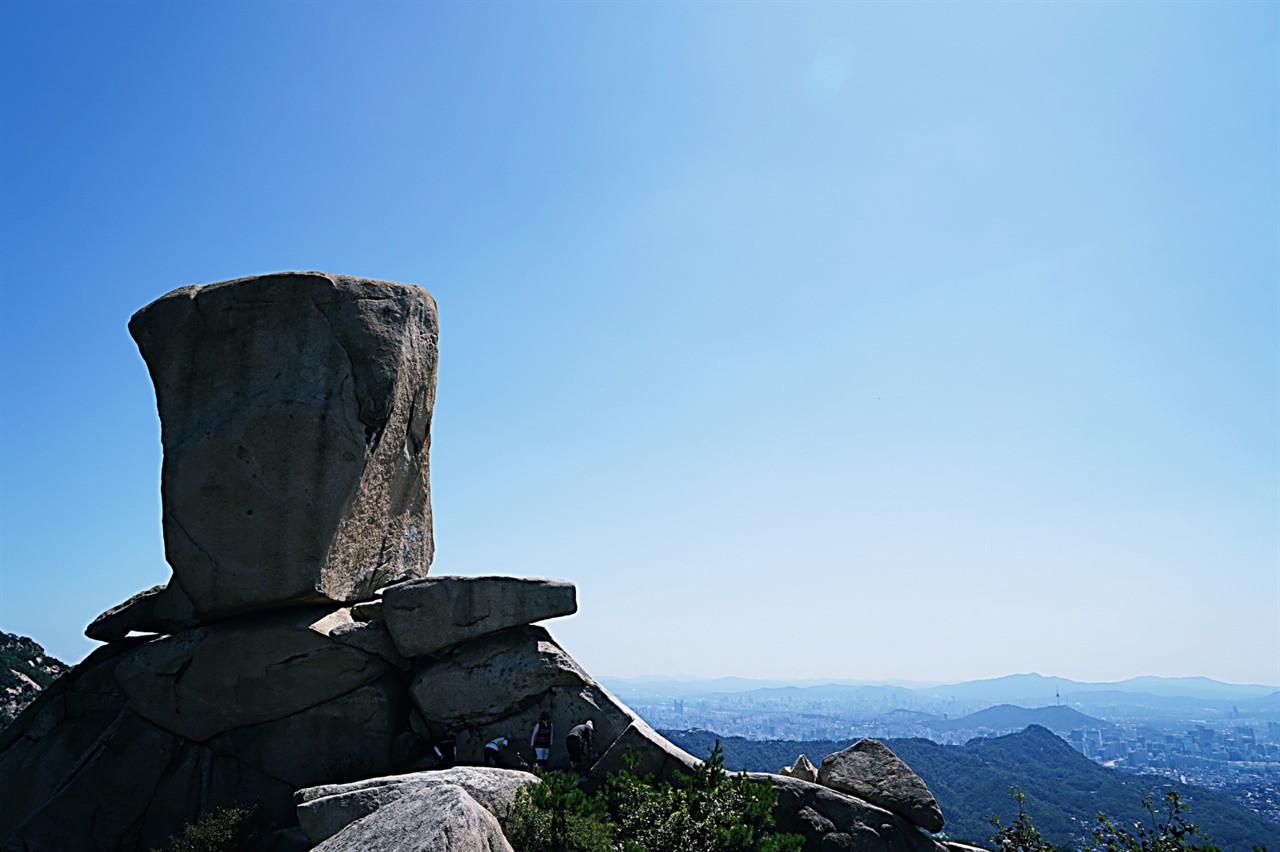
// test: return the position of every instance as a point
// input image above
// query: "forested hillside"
(1065, 790)
(25, 669)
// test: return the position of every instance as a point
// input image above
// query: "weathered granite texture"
(295, 414)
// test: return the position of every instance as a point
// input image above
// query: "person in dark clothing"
(541, 740)
(579, 744)
(446, 749)
(493, 750)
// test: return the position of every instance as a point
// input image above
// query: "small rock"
(802, 769)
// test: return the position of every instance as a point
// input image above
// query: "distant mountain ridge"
(1065, 790)
(1009, 689)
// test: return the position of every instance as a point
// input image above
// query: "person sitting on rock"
(446, 749)
(541, 740)
(493, 750)
(579, 744)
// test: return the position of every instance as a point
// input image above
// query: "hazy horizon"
(872, 341)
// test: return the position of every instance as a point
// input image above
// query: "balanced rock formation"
(869, 770)
(298, 659)
(295, 416)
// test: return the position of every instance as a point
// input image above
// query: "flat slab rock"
(440, 819)
(425, 616)
(295, 414)
(869, 770)
(326, 810)
(160, 609)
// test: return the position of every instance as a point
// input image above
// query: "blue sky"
(928, 341)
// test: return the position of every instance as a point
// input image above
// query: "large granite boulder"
(440, 819)
(425, 616)
(497, 686)
(869, 770)
(326, 810)
(295, 414)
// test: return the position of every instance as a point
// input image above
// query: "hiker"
(541, 740)
(493, 750)
(579, 744)
(446, 749)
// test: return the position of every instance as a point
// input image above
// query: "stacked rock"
(299, 640)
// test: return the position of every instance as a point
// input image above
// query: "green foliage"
(231, 829)
(556, 816)
(1167, 830)
(1021, 835)
(708, 811)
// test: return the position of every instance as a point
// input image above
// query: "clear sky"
(929, 341)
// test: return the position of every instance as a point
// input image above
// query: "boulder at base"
(440, 819)
(869, 770)
(295, 414)
(326, 810)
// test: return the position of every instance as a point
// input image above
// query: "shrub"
(708, 811)
(1170, 831)
(231, 829)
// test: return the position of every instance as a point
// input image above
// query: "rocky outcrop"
(831, 821)
(295, 415)
(297, 646)
(869, 770)
(25, 670)
(426, 616)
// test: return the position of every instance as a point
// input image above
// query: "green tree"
(1021, 836)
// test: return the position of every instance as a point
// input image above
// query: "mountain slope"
(25, 670)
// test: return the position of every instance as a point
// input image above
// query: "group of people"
(577, 743)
